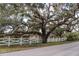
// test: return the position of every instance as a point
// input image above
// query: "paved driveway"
(71, 49)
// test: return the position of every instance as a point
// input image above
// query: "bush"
(72, 36)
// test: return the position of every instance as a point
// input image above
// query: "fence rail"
(20, 41)
(56, 39)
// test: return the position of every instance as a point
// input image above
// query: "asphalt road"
(71, 49)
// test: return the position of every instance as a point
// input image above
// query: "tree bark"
(44, 39)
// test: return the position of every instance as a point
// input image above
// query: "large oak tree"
(41, 18)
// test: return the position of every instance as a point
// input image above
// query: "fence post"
(53, 39)
(30, 42)
(21, 41)
(9, 41)
(58, 39)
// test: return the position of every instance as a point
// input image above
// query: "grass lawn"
(5, 49)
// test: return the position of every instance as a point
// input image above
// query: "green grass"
(5, 49)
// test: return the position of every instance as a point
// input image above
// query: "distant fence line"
(20, 41)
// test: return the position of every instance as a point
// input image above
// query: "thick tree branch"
(59, 24)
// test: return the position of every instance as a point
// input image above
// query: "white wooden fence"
(20, 41)
(17, 41)
(56, 39)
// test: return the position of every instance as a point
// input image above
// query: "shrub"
(74, 36)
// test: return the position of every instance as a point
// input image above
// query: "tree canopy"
(42, 19)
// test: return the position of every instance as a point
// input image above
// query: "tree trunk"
(44, 39)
